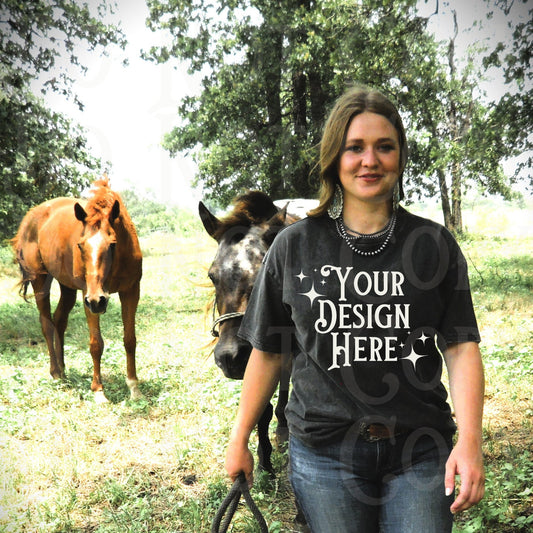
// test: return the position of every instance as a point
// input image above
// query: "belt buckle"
(364, 431)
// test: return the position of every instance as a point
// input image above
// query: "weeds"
(507, 506)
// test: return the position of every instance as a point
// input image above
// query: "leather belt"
(376, 432)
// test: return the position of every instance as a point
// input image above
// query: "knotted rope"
(230, 503)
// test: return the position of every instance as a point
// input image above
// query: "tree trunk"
(300, 178)
(299, 165)
(457, 132)
(272, 75)
(318, 104)
(457, 217)
(445, 200)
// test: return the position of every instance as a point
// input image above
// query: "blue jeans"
(389, 486)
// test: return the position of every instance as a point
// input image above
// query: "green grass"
(156, 464)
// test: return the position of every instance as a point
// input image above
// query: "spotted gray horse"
(244, 236)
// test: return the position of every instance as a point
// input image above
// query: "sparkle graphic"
(323, 282)
(312, 294)
(301, 276)
(414, 357)
(423, 338)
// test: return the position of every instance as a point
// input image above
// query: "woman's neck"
(367, 218)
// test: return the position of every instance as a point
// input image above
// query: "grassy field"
(69, 464)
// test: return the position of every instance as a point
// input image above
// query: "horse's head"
(97, 248)
(243, 238)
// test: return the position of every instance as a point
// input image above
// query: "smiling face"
(369, 165)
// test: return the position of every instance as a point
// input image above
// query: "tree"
(42, 154)
(475, 134)
(271, 70)
(455, 143)
(514, 111)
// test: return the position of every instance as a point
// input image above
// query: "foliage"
(271, 70)
(508, 471)
(457, 143)
(150, 216)
(42, 154)
(508, 480)
(7, 266)
(515, 110)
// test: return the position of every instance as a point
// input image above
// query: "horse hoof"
(99, 397)
(135, 393)
(133, 385)
(269, 469)
(301, 528)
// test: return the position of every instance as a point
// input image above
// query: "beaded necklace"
(350, 239)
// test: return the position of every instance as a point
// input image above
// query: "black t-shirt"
(366, 332)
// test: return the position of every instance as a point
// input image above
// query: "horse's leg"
(96, 346)
(129, 300)
(41, 289)
(64, 307)
(282, 430)
(264, 448)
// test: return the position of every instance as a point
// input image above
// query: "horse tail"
(23, 288)
(24, 283)
(25, 275)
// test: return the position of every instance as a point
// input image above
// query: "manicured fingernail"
(449, 490)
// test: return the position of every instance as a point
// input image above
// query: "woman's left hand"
(466, 461)
(467, 385)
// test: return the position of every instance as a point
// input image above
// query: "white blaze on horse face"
(249, 257)
(95, 242)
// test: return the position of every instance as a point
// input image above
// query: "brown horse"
(243, 238)
(90, 246)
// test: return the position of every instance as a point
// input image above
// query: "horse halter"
(223, 318)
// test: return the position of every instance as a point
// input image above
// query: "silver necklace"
(349, 239)
(353, 234)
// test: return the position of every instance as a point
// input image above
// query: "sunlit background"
(128, 109)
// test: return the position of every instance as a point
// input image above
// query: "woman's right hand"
(239, 459)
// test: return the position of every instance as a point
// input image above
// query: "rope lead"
(230, 503)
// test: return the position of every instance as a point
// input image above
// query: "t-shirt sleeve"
(459, 322)
(267, 323)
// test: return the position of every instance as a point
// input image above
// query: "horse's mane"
(100, 202)
(250, 208)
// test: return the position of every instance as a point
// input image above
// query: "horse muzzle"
(96, 305)
(232, 358)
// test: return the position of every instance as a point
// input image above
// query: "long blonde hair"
(353, 102)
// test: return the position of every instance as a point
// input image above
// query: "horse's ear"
(115, 212)
(279, 218)
(211, 222)
(80, 213)
(275, 224)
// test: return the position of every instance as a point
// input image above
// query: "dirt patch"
(508, 425)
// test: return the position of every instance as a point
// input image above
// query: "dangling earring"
(335, 209)
(396, 197)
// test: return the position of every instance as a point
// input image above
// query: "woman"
(367, 298)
